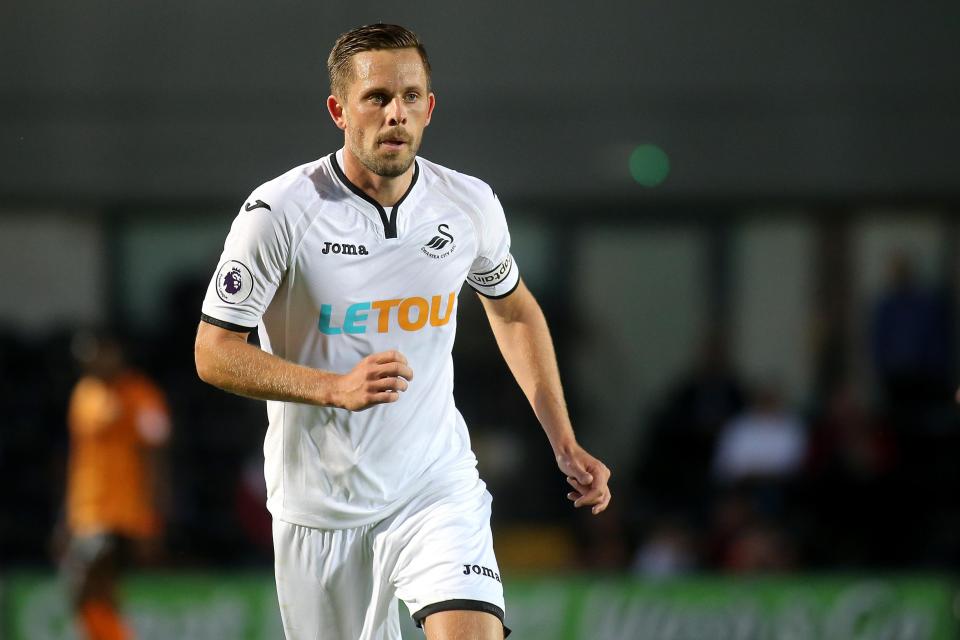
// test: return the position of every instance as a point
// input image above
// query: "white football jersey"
(330, 277)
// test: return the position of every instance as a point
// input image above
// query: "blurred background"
(742, 220)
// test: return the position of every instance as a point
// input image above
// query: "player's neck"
(386, 191)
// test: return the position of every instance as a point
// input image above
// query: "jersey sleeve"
(251, 267)
(494, 272)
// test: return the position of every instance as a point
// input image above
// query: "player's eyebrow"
(369, 91)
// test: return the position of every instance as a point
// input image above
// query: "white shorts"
(435, 554)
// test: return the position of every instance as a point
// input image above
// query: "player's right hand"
(377, 379)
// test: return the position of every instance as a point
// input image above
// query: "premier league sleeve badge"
(234, 282)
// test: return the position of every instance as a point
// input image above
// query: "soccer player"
(119, 425)
(350, 267)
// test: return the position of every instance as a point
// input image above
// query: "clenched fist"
(377, 379)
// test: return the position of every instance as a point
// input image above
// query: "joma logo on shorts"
(480, 571)
(345, 249)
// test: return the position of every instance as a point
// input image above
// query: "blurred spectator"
(668, 551)
(762, 547)
(852, 458)
(603, 541)
(116, 483)
(912, 345)
(731, 513)
(766, 442)
(709, 395)
(676, 460)
(850, 442)
(744, 539)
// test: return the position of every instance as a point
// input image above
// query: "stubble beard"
(391, 166)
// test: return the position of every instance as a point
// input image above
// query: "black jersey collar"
(389, 222)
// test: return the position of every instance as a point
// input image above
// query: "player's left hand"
(588, 476)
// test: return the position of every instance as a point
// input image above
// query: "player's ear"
(335, 107)
(431, 103)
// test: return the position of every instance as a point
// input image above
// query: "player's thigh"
(446, 560)
(463, 625)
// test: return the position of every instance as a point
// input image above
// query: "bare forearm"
(526, 345)
(241, 368)
(225, 359)
(525, 342)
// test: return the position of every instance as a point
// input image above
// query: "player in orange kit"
(119, 424)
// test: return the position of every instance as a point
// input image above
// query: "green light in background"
(649, 165)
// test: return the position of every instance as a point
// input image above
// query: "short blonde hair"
(372, 37)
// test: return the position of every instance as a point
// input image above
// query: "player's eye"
(411, 97)
(378, 99)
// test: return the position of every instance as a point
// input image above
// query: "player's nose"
(397, 112)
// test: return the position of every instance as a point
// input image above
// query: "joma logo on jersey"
(480, 571)
(345, 249)
(410, 314)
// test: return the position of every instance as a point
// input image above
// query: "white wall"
(773, 303)
(640, 294)
(156, 252)
(52, 270)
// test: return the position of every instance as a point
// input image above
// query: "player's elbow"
(213, 351)
(204, 360)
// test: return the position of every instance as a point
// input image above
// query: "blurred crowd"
(731, 475)
(734, 478)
